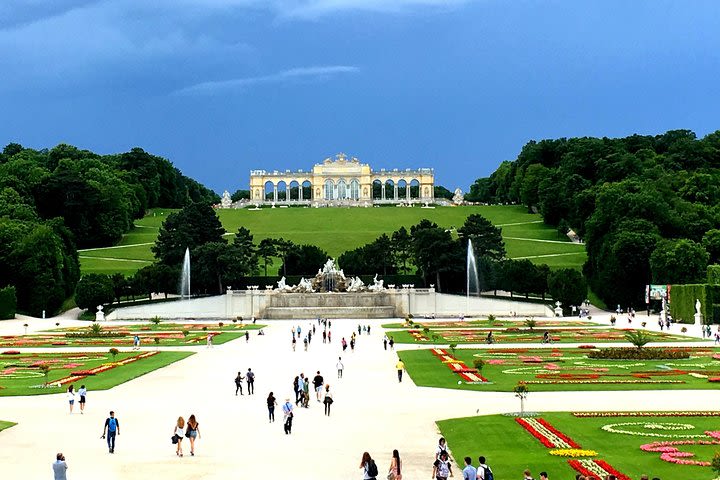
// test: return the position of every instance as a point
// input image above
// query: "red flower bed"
(580, 468)
(11, 352)
(82, 373)
(714, 379)
(557, 432)
(535, 433)
(587, 346)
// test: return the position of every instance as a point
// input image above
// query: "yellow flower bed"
(573, 452)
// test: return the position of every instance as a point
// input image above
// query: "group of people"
(370, 469)
(442, 468)
(249, 377)
(81, 393)
(307, 339)
(301, 387)
(183, 429)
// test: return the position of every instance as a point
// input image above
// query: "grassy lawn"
(521, 334)
(337, 230)
(4, 425)
(20, 374)
(509, 448)
(560, 370)
(494, 324)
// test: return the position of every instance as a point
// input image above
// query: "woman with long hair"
(395, 471)
(368, 467)
(328, 400)
(192, 432)
(71, 396)
(179, 433)
(271, 403)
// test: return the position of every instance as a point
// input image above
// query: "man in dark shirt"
(112, 427)
(318, 384)
(250, 376)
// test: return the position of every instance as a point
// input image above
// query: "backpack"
(488, 475)
(372, 469)
(112, 424)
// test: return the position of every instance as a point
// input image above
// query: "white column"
(407, 192)
(275, 193)
(395, 192)
(382, 191)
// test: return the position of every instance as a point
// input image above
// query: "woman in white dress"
(179, 434)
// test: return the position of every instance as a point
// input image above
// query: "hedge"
(683, 298)
(8, 302)
(713, 274)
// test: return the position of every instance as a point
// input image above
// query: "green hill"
(337, 230)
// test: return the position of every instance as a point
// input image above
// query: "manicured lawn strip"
(506, 446)
(504, 323)
(427, 370)
(4, 425)
(162, 327)
(197, 337)
(623, 451)
(510, 449)
(503, 337)
(101, 381)
(339, 229)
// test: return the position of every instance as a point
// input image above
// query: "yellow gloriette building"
(342, 181)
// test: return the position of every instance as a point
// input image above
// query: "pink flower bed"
(670, 453)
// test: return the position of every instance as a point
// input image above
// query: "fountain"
(472, 275)
(185, 276)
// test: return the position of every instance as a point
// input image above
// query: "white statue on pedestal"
(697, 306)
(226, 201)
(99, 315)
(282, 286)
(458, 197)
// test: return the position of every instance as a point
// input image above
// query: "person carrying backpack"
(484, 472)
(370, 470)
(442, 468)
(250, 376)
(112, 427)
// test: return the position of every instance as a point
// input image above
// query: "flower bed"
(711, 413)
(595, 469)
(546, 433)
(573, 452)
(670, 453)
(631, 353)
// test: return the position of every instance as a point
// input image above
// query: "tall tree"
(266, 251)
(402, 247)
(191, 227)
(486, 238)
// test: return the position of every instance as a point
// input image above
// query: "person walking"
(179, 433)
(328, 400)
(288, 416)
(305, 343)
(238, 383)
(442, 468)
(385, 342)
(271, 403)
(367, 464)
(112, 428)
(526, 473)
(192, 432)
(318, 384)
(339, 367)
(82, 393)
(469, 472)
(209, 340)
(392, 343)
(294, 342)
(395, 470)
(329, 336)
(484, 472)
(343, 342)
(306, 393)
(400, 366)
(247, 336)
(297, 389)
(250, 376)
(60, 467)
(71, 397)
(324, 336)
(352, 344)
(136, 342)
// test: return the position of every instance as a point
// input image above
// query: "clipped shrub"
(628, 353)
(478, 363)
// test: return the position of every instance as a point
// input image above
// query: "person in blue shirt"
(112, 427)
(469, 472)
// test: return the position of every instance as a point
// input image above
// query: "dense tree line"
(55, 201)
(646, 206)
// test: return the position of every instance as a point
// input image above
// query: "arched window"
(329, 187)
(341, 190)
(354, 189)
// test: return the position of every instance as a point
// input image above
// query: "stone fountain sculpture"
(283, 287)
(377, 285)
(356, 285)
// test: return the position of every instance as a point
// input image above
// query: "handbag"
(391, 476)
(174, 439)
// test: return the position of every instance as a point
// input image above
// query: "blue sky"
(224, 86)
